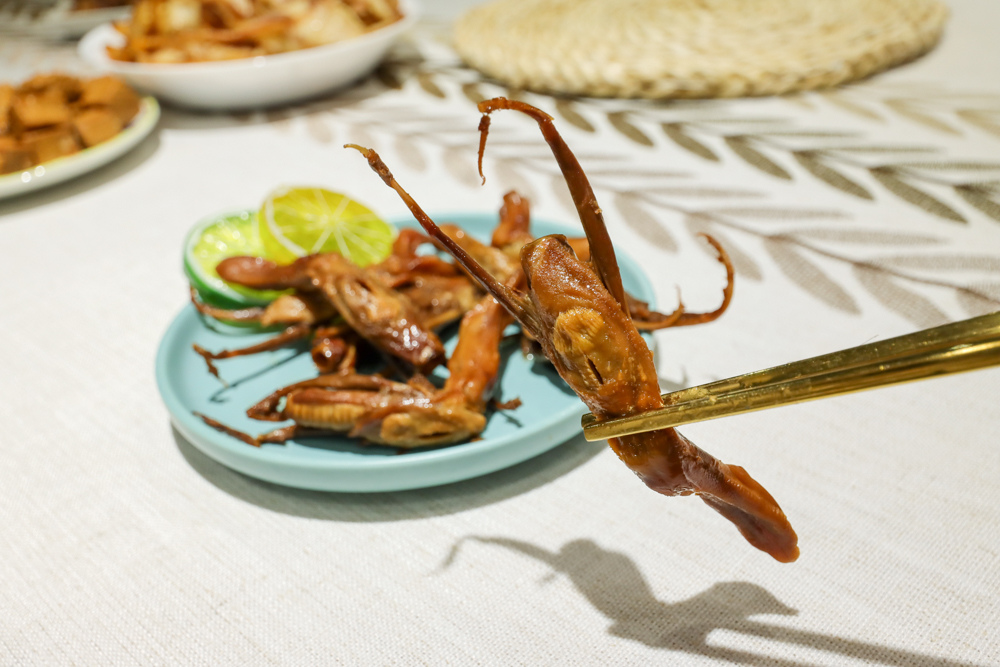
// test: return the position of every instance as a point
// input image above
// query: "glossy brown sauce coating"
(378, 410)
(328, 285)
(588, 331)
(579, 313)
(647, 319)
(378, 314)
(514, 229)
(611, 369)
(606, 264)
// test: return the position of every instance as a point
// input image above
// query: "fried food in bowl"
(229, 55)
(184, 31)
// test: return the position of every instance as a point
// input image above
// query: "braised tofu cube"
(14, 156)
(51, 143)
(112, 93)
(64, 86)
(6, 99)
(96, 125)
(31, 111)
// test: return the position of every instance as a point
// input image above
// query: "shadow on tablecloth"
(615, 586)
(398, 505)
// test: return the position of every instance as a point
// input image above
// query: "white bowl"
(251, 83)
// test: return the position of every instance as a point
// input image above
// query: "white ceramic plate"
(89, 159)
(250, 83)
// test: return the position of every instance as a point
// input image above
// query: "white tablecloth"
(853, 216)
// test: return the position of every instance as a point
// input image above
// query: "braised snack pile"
(53, 115)
(183, 31)
(393, 310)
(390, 310)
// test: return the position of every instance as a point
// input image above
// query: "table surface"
(852, 216)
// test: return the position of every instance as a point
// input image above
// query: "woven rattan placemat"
(693, 48)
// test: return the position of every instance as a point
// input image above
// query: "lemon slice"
(211, 241)
(299, 221)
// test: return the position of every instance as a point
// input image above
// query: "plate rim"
(222, 448)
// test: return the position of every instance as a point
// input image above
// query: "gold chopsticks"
(951, 348)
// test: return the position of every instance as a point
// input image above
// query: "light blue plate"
(548, 416)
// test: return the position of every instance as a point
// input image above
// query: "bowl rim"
(92, 49)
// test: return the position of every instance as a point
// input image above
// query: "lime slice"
(211, 241)
(294, 222)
